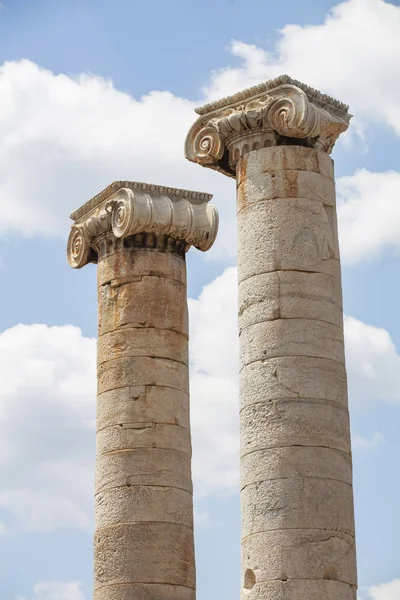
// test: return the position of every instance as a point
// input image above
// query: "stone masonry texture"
(143, 501)
(296, 477)
(139, 234)
(298, 540)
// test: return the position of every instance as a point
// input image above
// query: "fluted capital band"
(275, 113)
(128, 208)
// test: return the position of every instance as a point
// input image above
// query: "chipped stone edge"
(158, 190)
(321, 100)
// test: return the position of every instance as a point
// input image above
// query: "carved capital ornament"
(278, 112)
(148, 215)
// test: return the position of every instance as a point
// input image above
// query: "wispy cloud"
(371, 443)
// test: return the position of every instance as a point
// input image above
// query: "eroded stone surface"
(297, 504)
(290, 295)
(293, 377)
(143, 466)
(145, 553)
(292, 234)
(144, 591)
(279, 112)
(129, 214)
(131, 435)
(142, 371)
(301, 589)
(122, 266)
(295, 461)
(151, 302)
(284, 184)
(149, 342)
(139, 234)
(143, 404)
(143, 503)
(291, 337)
(280, 159)
(294, 422)
(297, 499)
(300, 554)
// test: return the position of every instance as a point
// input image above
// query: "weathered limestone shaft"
(144, 513)
(296, 476)
(296, 469)
(144, 546)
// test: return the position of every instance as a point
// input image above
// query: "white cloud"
(47, 400)
(56, 591)
(214, 386)
(373, 363)
(369, 214)
(201, 517)
(330, 56)
(385, 591)
(47, 411)
(64, 139)
(365, 443)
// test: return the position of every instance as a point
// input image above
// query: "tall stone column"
(139, 234)
(296, 467)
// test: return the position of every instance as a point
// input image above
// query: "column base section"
(144, 591)
(299, 554)
(299, 589)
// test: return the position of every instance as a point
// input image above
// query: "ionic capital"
(280, 111)
(159, 217)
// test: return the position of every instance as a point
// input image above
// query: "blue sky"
(93, 91)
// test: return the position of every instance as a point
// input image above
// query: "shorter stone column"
(139, 234)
